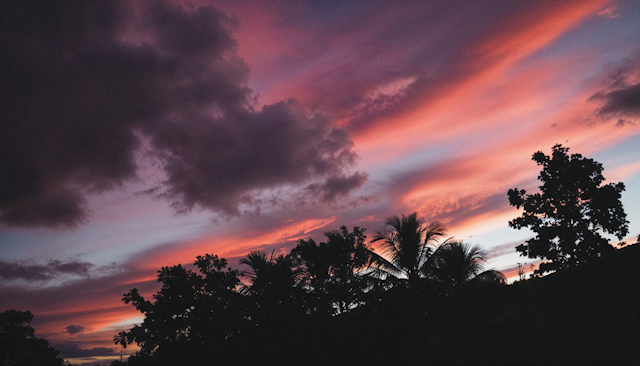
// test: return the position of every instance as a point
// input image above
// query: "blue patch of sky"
(101, 241)
(611, 35)
(625, 152)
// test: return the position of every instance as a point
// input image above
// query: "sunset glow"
(179, 128)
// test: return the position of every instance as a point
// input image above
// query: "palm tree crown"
(455, 263)
(415, 253)
(274, 274)
(409, 244)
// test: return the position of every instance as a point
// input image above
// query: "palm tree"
(258, 263)
(415, 253)
(267, 274)
(409, 244)
(121, 339)
(455, 263)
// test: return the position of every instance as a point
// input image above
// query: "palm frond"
(382, 266)
(456, 262)
(434, 231)
(246, 290)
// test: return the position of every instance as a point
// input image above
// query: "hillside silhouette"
(424, 299)
(587, 315)
(584, 315)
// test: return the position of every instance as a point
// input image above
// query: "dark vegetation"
(570, 212)
(19, 346)
(584, 315)
(423, 299)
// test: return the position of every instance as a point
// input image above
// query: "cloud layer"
(82, 81)
(622, 97)
(74, 329)
(72, 349)
(42, 272)
(443, 101)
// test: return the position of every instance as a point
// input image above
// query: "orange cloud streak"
(235, 244)
(495, 53)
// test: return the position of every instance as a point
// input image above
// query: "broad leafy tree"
(19, 346)
(208, 316)
(571, 211)
(331, 271)
(193, 314)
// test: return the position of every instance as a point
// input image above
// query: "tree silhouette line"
(207, 310)
(18, 344)
(321, 288)
(419, 298)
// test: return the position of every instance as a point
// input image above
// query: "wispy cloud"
(42, 272)
(74, 329)
(71, 349)
(622, 97)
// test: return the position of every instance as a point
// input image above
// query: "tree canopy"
(571, 211)
(19, 346)
(331, 271)
(192, 315)
(201, 314)
(335, 302)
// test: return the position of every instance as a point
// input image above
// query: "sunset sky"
(136, 135)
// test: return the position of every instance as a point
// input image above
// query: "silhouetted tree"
(570, 212)
(409, 243)
(273, 288)
(19, 346)
(192, 315)
(121, 339)
(455, 263)
(331, 271)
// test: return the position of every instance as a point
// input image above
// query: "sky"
(142, 134)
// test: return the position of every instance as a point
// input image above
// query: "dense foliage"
(570, 212)
(549, 320)
(203, 314)
(423, 299)
(19, 346)
(340, 296)
(194, 313)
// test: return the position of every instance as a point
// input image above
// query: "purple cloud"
(622, 98)
(82, 81)
(625, 101)
(72, 349)
(74, 329)
(334, 187)
(42, 272)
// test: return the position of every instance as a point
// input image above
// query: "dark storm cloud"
(624, 101)
(72, 349)
(74, 329)
(334, 187)
(42, 272)
(217, 164)
(622, 98)
(80, 81)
